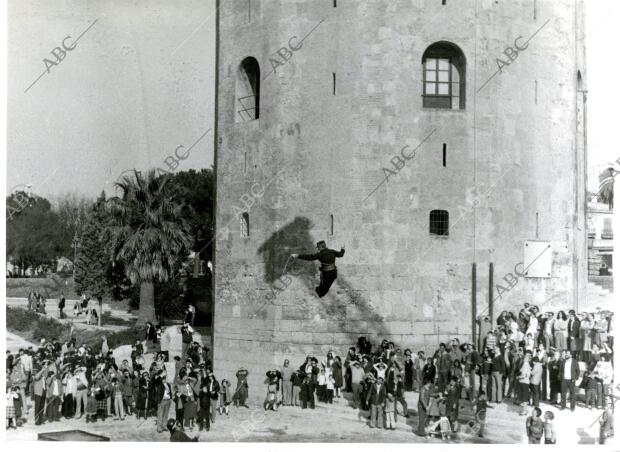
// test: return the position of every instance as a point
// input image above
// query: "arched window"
(439, 222)
(444, 76)
(248, 90)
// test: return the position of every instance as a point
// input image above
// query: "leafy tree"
(73, 211)
(31, 232)
(197, 190)
(149, 234)
(93, 262)
(121, 288)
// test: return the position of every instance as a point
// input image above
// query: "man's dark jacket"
(574, 370)
(376, 396)
(326, 257)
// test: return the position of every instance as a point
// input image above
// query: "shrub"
(34, 327)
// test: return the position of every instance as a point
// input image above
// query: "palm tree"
(606, 185)
(149, 234)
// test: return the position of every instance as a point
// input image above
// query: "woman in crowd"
(516, 341)
(585, 335)
(560, 331)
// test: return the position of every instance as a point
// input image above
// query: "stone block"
(343, 339)
(399, 327)
(322, 339)
(357, 327)
(315, 326)
(282, 336)
(293, 313)
(290, 325)
(336, 326)
(299, 337)
(423, 327)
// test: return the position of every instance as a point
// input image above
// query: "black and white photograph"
(272, 223)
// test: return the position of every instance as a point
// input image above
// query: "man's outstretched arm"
(341, 252)
(306, 257)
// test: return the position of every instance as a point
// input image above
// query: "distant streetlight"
(75, 244)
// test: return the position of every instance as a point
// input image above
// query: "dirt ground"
(330, 423)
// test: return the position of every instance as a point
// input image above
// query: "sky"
(602, 18)
(140, 82)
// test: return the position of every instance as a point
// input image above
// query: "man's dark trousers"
(421, 420)
(39, 406)
(53, 404)
(535, 391)
(568, 385)
(403, 402)
(443, 380)
(327, 279)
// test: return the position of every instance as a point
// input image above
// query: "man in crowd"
(376, 399)
(569, 373)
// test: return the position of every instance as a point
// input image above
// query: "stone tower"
(441, 142)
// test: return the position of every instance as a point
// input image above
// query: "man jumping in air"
(329, 272)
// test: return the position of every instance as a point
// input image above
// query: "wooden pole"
(491, 292)
(473, 303)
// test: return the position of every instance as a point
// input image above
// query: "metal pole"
(491, 292)
(473, 303)
(74, 257)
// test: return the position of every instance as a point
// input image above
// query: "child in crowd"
(452, 402)
(11, 396)
(534, 426)
(485, 372)
(390, 406)
(297, 380)
(307, 395)
(436, 400)
(272, 389)
(241, 393)
(530, 344)
(178, 409)
(102, 403)
(321, 388)
(481, 412)
(399, 397)
(91, 406)
(590, 384)
(337, 374)
(117, 399)
(606, 423)
(549, 428)
(439, 424)
(329, 388)
(127, 391)
(224, 400)
(440, 427)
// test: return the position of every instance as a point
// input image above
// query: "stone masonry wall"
(511, 154)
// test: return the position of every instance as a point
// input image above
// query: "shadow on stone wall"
(295, 237)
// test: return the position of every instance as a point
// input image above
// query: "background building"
(472, 110)
(600, 249)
